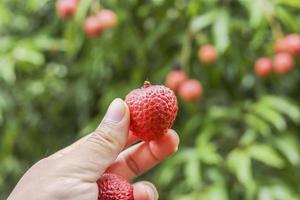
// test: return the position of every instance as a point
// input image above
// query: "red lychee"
(283, 63)
(263, 67)
(114, 187)
(293, 43)
(107, 18)
(66, 8)
(207, 54)
(190, 90)
(175, 78)
(92, 26)
(153, 109)
(281, 46)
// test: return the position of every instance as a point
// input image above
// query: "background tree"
(240, 140)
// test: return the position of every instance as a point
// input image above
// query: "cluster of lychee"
(95, 24)
(188, 89)
(284, 59)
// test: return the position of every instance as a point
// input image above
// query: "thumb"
(105, 143)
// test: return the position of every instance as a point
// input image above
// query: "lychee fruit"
(66, 8)
(107, 18)
(92, 26)
(293, 43)
(207, 54)
(175, 78)
(153, 109)
(190, 90)
(263, 66)
(281, 46)
(114, 187)
(283, 63)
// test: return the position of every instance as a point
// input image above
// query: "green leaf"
(270, 116)
(289, 146)
(256, 123)
(266, 154)
(284, 106)
(286, 18)
(216, 192)
(202, 21)
(7, 70)
(220, 112)
(207, 151)
(292, 3)
(248, 137)
(221, 30)
(192, 171)
(23, 54)
(256, 13)
(279, 192)
(82, 10)
(239, 163)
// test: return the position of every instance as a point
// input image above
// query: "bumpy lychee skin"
(175, 78)
(153, 109)
(114, 187)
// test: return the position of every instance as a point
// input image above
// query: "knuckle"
(103, 138)
(132, 165)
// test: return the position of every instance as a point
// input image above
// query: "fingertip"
(174, 137)
(144, 191)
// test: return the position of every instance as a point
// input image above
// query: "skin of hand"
(71, 173)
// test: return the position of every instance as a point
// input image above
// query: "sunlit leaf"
(258, 124)
(203, 21)
(284, 106)
(7, 70)
(292, 3)
(270, 115)
(239, 163)
(192, 171)
(289, 146)
(221, 30)
(266, 154)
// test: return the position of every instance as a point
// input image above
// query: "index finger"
(145, 155)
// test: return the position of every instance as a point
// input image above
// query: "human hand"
(72, 172)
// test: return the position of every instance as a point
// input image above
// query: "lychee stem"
(147, 84)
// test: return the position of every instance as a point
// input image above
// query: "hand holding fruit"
(76, 171)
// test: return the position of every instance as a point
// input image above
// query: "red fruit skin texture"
(108, 19)
(191, 90)
(92, 26)
(114, 187)
(153, 109)
(66, 8)
(207, 54)
(263, 67)
(175, 78)
(283, 63)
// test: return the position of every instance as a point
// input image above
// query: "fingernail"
(153, 195)
(116, 110)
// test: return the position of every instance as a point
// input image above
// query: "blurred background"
(239, 138)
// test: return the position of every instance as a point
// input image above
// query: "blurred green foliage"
(240, 141)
